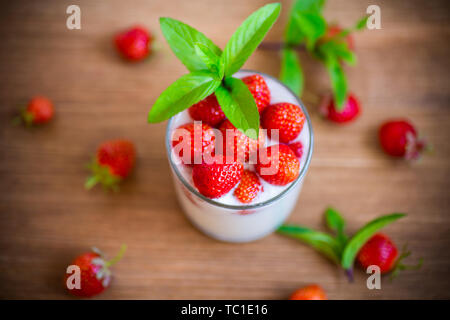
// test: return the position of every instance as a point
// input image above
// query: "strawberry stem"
(399, 266)
(91, 182)
(119, 256)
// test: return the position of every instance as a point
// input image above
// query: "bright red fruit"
(398, 138)
(348, 113)
(208, 110)
(186, 135)
(95, 275)
(311, 292)
(242, 145)
(334, 30)
(113, 162)
(286, 117)
(297, 147)
(218, 178)
(248, 188)
(38, 111)
(278, 168)
(134, 44)
(378, 250)
(259, 89)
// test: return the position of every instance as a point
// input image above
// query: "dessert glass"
(246, 222)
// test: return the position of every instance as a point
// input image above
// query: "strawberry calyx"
(414, 147)
(399, 266)
(103, 175)
(103, 274)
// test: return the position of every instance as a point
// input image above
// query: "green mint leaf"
(338, 81)
(336, 223)
(312, 25)
(239, 106)
(183, 93)
(291, 72)
(248, 36)
(211, 60)
(293, 35)
(338, 50)
(361, 24)
(320, 241)
(365, 233)
(182, 39)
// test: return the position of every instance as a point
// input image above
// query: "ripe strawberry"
(334, 30)
(134, 44)
(286, 117)
(242, 145)
(38, 111)
(259, 90)
(350, 111)
(297, 147)
(113, 162)
(95, 275)
(278, 168)
(218, 178)
(311, 292)
(378, 250)
(208, 110)
(248, 188)
(185, 136)
(398, 138)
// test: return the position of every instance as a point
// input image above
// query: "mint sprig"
(212, 70)
(340, 248)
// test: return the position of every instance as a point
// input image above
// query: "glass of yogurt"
(226, 218)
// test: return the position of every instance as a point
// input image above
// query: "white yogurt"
(226, 218)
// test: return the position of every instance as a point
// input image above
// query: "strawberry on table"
(184, 137)
(95, 275)
(248, 188)
(349, 112)
(218, 178)
(259, 90)
(311, 292)
(278, 168)
(285, 117)
(38, 111)
(134, 44)
(399, 138)
(208, 110)
(113, 162)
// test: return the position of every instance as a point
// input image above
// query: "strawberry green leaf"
(182, 39)
(336, 223)
(339, 50)
(291, 72)
(320, 241)
(365, 233)
(211, 60)
(183, 93)
(248, 36)
(361, 23)
(294, 34)
(338, 81)
(312, 25)
(239, 106)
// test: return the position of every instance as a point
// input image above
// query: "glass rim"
(259, 204)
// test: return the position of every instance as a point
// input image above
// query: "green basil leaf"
(365, 233)
(182, 39)
(312, 25)
(336, 223)
(239, 106)
(291, 72)
(293, 35)
(211, 60)
(183, 93)
(361, 23)
(320, 241)
(248, 36)
(338, 81)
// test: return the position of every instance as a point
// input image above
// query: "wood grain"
(47, 217)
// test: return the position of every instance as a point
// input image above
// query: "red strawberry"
(350, 111)
(311, 292)
(95, 275)
(186, 136)
(380, 251)
(398, 138)
(334, 30)
(278, 168)
(218, 178)
(286, 117)
(38, 111)
(259, 89)
(297, 147)
(208, 110)
(134, 44)
(248, 188)
(242, 145)
(113, 162)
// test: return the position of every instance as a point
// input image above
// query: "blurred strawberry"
(349, 112)
(311, 292)
(134, 44)
(334, 30)
(38, 111)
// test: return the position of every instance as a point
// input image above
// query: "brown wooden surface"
(47, 217)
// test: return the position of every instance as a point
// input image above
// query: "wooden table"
(47, 218)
